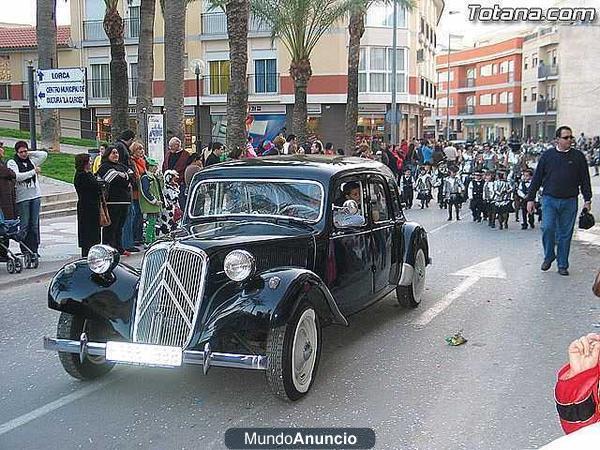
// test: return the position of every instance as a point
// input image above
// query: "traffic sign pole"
(30, 78)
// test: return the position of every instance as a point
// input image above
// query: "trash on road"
(457, 339)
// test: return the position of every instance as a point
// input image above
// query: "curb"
(29, 279)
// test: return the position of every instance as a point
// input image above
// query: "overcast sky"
(459, 23)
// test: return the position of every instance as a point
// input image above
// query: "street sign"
(389, 116)
(61, 88)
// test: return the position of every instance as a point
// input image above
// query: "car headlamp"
(239, 265)
(102, 258)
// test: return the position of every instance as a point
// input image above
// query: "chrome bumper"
(205, 358)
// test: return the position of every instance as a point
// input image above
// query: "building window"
(375, 70)
(526, 62)
(471, 73)
(534, 60)
(265, 79)
(485, 99)
(133, 26)
(422, 86)
(533, 94)
(486, 71)
(422, 29)
(133, 80)
(444, 76)
(524, 95)
(504, 67)
(219, 77)
(382, 15)
(554, 59)
(4, 91)
(100, 82)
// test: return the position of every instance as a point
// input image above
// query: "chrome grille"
(170, 292)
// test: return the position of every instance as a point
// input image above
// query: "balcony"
(544, 106)
(466, 110)
(93, 30)
(99, 89)
(215, 24)
(468, 83)
(547, 70)
(258, 84)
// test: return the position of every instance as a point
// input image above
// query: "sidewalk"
(64, 148)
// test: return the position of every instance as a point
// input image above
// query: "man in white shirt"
(451, 153)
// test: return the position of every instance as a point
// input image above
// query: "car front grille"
(170, 291)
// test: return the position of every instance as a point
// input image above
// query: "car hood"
(232, 233)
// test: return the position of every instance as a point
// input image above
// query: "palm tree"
(174, 12)
(119, 87)
(356, 29)
(237, 13)
(47, 59)
(300, 24)
(145, 64)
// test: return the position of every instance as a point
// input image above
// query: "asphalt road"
(390, 370)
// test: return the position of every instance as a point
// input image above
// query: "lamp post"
(394, 134)
(197, 66)
(450, 13)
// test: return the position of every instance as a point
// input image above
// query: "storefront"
(371, 122)
(103, 123)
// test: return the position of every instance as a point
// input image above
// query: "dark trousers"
(491, 214)
(408, 197)
(113, 234)
(477, 209)
(456, 206)
(526, 217)
(6, 243)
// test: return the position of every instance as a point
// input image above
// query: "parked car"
(270, 251)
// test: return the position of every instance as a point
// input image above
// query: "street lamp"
(394, 134)
(197, 66)
(450, 13)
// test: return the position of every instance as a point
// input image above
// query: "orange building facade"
(480, 96)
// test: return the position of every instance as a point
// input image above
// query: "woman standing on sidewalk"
(118, 179)
(88, 204)
(26, 166)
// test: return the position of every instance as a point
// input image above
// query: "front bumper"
(206, 358)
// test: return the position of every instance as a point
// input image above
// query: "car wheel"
(410, 296)
(71, 327)
(293, 353)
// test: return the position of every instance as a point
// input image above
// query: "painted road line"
(52, 406)
(441, 227)
(492, 268)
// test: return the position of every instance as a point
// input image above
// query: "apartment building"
(484, 100)
(271, 96)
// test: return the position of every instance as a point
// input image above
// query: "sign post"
(31, 88)
(156, 138)
(61, 88)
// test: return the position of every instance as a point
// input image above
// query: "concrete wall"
(579, 73)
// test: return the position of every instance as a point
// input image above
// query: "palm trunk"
(356, 29)
(47, 59)
(119, 86)
(145, 65)
(174, 12)
(237, 12)
(301, 72)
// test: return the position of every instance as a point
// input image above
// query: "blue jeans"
(29, 213)
(129, 227)
(558, 222)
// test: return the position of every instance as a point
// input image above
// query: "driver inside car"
(342, 217)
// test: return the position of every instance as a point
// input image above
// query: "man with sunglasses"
(562, 173)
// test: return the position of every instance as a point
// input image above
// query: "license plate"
(145, 354)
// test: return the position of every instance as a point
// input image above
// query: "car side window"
(349, 189)
(380, 206)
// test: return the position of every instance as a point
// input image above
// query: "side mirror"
(350, 207)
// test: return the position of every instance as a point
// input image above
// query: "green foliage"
(25, 135)
(60, 166)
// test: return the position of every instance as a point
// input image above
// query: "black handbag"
(586, 219)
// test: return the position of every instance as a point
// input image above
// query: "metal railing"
(468, 83)
(99, 88)
(467, 110)
(547, 70)
(543, 104)
(258, 84)
(215, 23)
(93, 30)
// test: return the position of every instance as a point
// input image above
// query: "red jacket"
(577, 399)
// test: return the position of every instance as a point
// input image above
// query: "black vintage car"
(269, 252)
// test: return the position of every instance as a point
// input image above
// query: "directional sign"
(61, 88)
(492, 268)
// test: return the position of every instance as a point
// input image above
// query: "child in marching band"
(407, 188)
(453, 189)
(423, 186)
(522, 193)
(475, 195)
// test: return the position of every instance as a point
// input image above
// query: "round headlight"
(239, 265)
(102, 258)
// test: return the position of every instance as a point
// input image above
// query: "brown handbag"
(104, 215)
(596, 285)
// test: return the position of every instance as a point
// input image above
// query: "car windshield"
(279, 198)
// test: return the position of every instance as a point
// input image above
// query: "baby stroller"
(11, 230)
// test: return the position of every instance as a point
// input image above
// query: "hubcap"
(304, 351)
(420, 270)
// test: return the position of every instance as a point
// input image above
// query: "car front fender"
(76, 290)
(414, 235)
